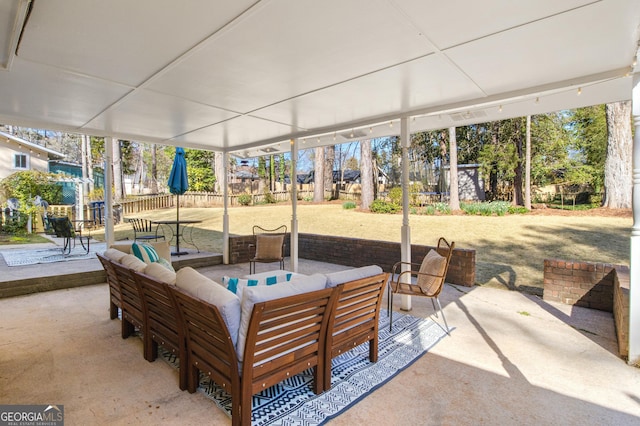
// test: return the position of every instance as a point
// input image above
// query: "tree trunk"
(454, 198)
(366, 175)
(617, 167)
(527, 169)
(518, 199)
(329, 159)
(154, 168)
(262, 175)
(117, 173)
(318, 175)
(84, 148)
(218, 170)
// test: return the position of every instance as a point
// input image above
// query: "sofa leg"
(127, 328)
(193, 379)
(113, 310)
(373, 349)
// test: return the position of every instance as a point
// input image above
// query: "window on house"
(20, 161)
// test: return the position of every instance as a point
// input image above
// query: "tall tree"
(366, 175)
(618, 167)
(329, 159)
(454, 198)
(118, 178)
(518, 182)
(318, 175)
(527, 173)
(219, 171)
(262, 175)
(154, 169)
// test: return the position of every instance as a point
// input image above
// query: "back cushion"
(132, 262)
(210, 291)
(269, 246)
(433, 265)
(114, 254)
(342, 277)
(257, 294)
(160, 273)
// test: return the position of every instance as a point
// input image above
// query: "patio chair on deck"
(64, 229)
(145, 230)
(429, 278)
(269, 245)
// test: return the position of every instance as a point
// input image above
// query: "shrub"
(381, 206)
(268, 197)
(442, 208)
(244, 199)
(395, 195)
(347, 205)
(499, 208)
(518, 210)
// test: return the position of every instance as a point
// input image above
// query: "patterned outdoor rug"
(49, 255)
(293, 402)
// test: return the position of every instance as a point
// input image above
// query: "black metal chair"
(145, 230)
(64, 229)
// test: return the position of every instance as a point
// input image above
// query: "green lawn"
(510, 249)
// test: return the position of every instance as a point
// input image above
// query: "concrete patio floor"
(512, 359)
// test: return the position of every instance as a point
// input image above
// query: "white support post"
(634, 273)
(225, 209)
(108, 193)
(405, 246)
(293, 255)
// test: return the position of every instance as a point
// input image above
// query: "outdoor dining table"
(178, 232)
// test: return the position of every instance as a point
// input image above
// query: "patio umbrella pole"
(178, 224)
(178, 184)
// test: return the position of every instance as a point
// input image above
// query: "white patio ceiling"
(241, 75)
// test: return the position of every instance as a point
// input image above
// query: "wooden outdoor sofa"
(248, 345)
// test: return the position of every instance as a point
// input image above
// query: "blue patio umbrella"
(178, 185)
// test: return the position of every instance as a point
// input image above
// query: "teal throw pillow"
(145, 252)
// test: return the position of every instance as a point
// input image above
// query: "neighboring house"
(17, 154)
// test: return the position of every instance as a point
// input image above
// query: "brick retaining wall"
(359, 252)
(621, 309)
(593, 285)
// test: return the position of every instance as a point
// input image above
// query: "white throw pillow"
(257, 294)
(341, 277)
(210, 291)
(237, 285)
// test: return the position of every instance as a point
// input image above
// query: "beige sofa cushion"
(210, 291)
(162, 248)
(262, 293)
(132, 262)
(160, 273)
(341, 277)
(114, 254)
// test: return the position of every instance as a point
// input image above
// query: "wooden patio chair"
(269, 244)
(429, 278)
(145, 230)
